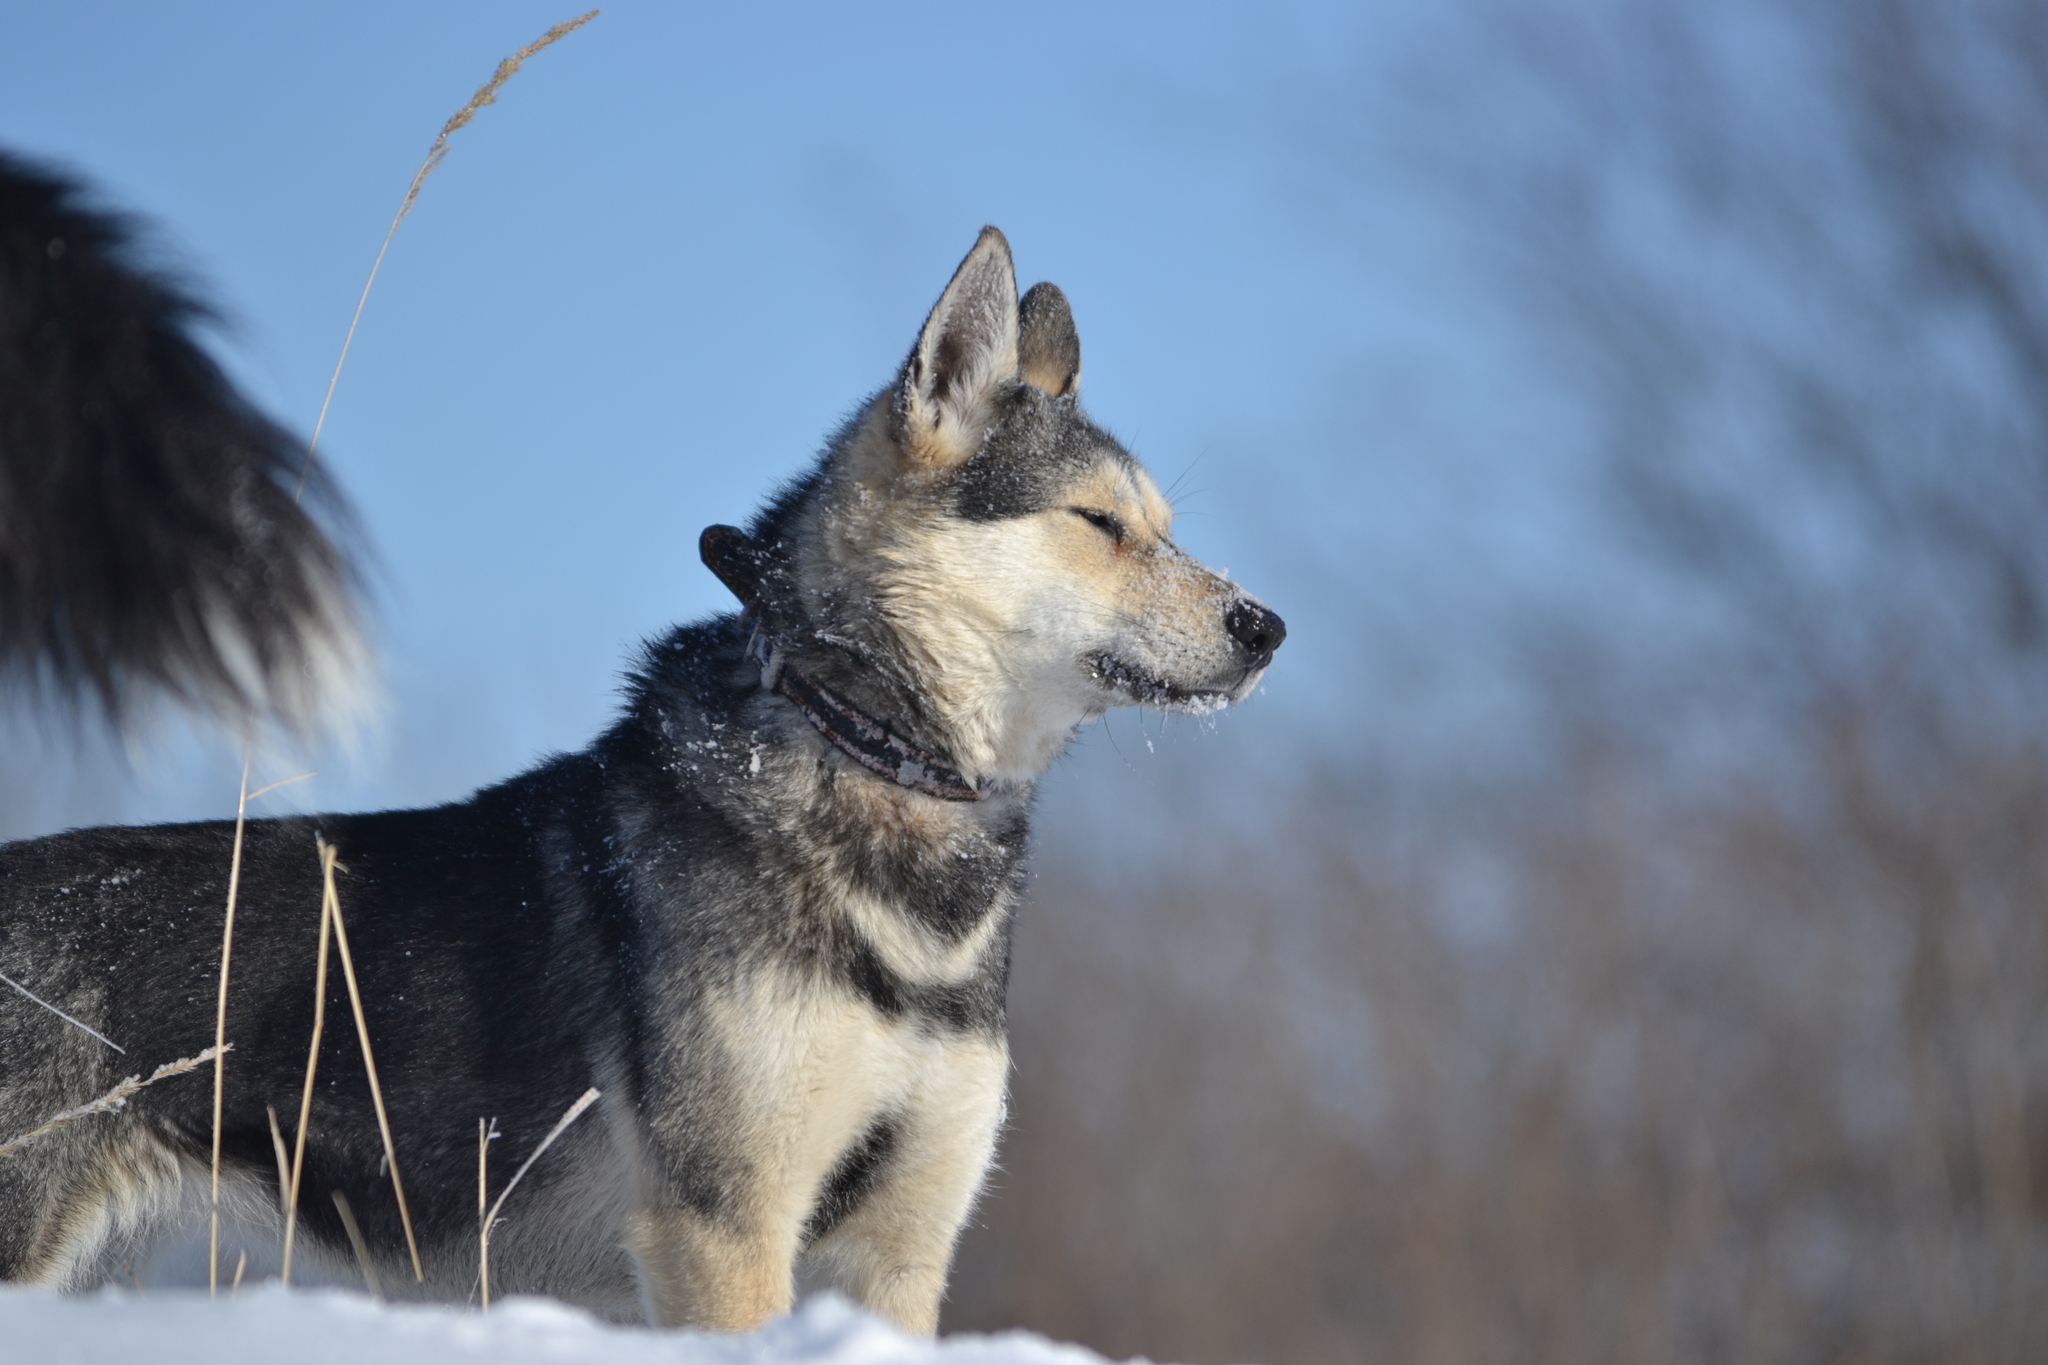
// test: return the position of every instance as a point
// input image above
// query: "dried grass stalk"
(220, 1025)
(355, 1239)
(488, 94)
(355, 1000)
(284, 1162)
(484, 1134)
(220, 1018)
(112, 1101)
(490, 1220)
(291, 1207)
(62, 1015)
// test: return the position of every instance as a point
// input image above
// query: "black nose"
(1255, 628)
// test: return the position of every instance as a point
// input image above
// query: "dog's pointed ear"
(966, 354)
(1048, 347)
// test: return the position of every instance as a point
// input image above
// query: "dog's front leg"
(892, 1251)
(701, 1271)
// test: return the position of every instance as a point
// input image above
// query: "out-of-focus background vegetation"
(1621, 931)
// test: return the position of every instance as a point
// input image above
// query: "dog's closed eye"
(1106, 522)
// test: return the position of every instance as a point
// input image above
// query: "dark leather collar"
(740, 564)
(859, 736)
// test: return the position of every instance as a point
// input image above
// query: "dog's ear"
(1048, 347)
(966, 354)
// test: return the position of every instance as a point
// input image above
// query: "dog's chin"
(1128, 685)
(1247, 684)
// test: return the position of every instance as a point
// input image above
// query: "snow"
(269, 1323)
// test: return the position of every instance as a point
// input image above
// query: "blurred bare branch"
(1727, 1037)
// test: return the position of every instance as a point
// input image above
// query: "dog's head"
(976, 557)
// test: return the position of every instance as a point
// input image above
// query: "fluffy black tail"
(152, 536)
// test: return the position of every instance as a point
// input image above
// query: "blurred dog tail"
(159, 536)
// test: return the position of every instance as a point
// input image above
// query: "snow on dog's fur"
(767, 913)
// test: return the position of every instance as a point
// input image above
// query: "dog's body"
(767, 914)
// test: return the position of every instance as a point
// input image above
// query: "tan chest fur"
(817, 1064)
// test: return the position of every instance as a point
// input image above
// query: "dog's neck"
(841, 679)
(856, 734)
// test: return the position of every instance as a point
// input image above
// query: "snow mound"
(333, 1327)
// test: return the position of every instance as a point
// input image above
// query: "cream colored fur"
(811, 1066)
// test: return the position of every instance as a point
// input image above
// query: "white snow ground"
(271, 1326)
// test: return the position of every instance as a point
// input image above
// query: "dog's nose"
(1258, 630)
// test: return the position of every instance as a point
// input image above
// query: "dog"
(767, 914)
(159, 536)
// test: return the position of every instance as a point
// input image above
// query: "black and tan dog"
(767, 913)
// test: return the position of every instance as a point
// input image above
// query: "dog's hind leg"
(72, 1213)
(22, 1201)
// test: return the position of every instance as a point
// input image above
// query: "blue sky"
(689, 238)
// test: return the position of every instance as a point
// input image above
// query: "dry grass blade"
(291, 1207)
(284, 1162)
(220, 1025)
(488, 94)
(355, 1000)
(110, 1102)
(355, 1239)
(62, 1015)
(484, 1134)
(330, 909)
(575, 1111)
(220, 1018)
(241, 1264)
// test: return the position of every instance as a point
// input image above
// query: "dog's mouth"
(1140, 688)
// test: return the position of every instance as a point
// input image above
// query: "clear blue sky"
(690, 237)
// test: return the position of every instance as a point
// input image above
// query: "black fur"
(852, 1178)
(150, 523)
(1035, 449)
